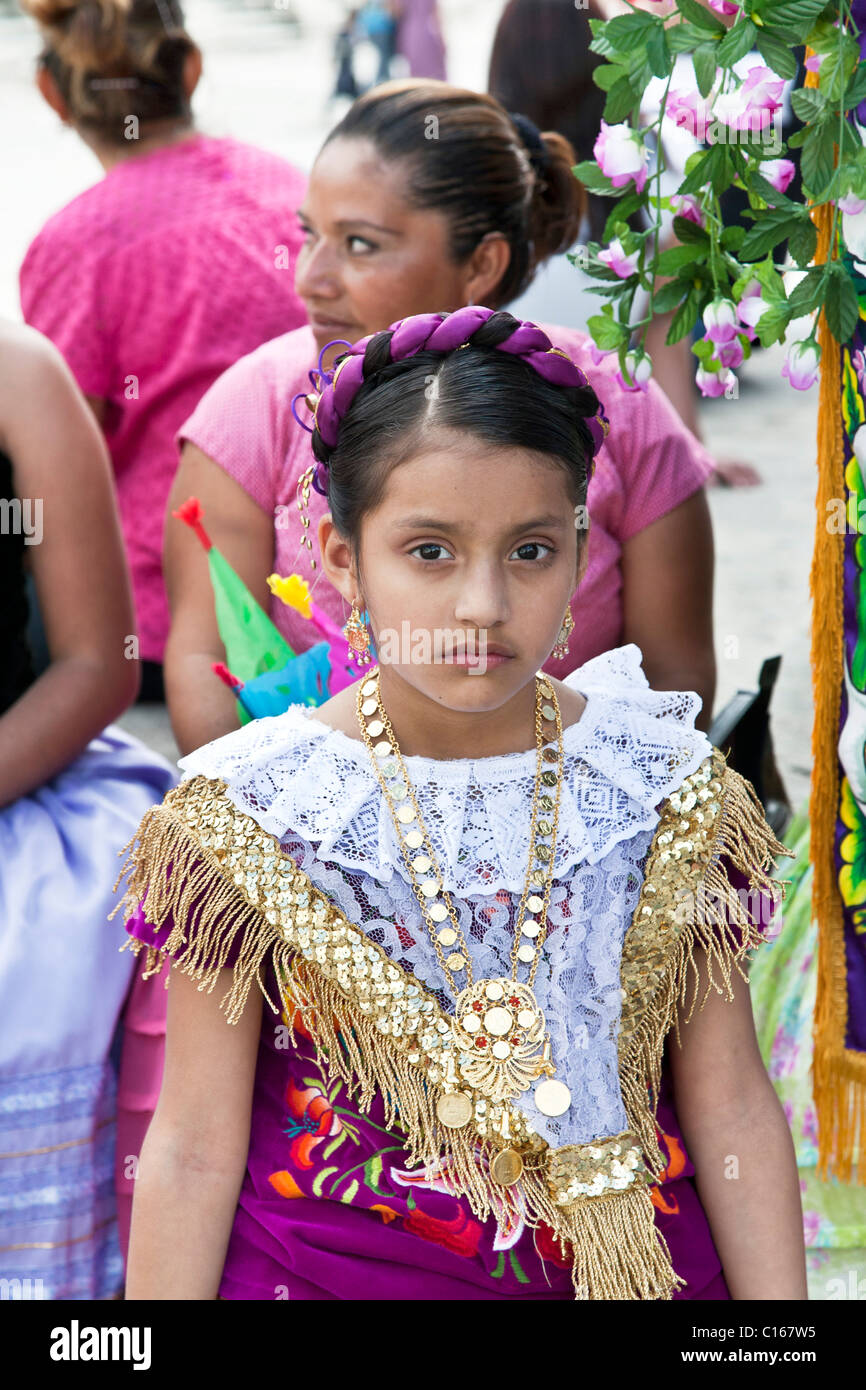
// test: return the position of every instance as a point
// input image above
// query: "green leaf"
(802, 241)
(350, 1191)
(592, 178)
(777, 55)
(630, 31)
(696, 14)
(837, 68)
(320, 1178)
(672, 260)
(722, 174)
(605, 74)
(657, 51)
(334, 1144)
(756, 183)
(799, 138)
(621, 99)
(701, 172)
(683, 37)
(733, 237)
(605, 333)
(668, 296)
(841, 305)
(739, 40)
(855, 92)
(704, 60)
(790, 14)
(769, 230)
(771, 325)
(816, 161)
(687, 231)
(684, 319)
(621, 211)
(850, 140)
(805, 296)
(808, 103)
(703, 350)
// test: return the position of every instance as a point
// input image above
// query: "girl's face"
(369, 258)
(472, 553)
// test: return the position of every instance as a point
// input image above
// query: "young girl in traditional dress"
(473, 900)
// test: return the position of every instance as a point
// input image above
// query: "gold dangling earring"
(560, 651)
(358, 636)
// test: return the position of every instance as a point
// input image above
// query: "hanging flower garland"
(726, 275)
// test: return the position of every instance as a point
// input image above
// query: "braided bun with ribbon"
(474, 325)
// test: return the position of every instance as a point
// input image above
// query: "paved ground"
(267, 80)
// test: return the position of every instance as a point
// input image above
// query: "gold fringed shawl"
(219, 877)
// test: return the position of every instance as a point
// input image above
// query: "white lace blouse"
(314, 789)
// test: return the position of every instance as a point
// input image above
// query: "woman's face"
(466, 600)
(369, 258)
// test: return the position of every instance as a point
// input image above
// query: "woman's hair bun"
(85, 34)
(559, 201)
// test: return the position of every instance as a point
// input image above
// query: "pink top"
(649, 464)
(151, 284)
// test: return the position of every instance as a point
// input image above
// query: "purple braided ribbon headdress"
(435, 333)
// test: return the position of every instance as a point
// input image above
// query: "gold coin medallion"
(405, 814)
(447, 936)
(535, 903)
(454, 1110)
(368, 688)
(526, 952)
(438, 911)
(369, 707)
(506, 1167)
(455, 961)
(414, 839)
(375, 728)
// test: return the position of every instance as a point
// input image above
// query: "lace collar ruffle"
(630, 749)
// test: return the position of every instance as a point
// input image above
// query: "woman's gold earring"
(358, 636)
(560, 651)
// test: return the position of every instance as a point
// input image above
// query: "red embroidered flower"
(461, 1234)
(310, 1120)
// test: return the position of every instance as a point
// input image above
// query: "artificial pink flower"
(724, 7)
(751, 308)
(713, 383)
(684, 205)
(720, 320)
(851, 204)
(778, 172)
(731, 354)
(753, 104)
(801, 364)
(639, 367)
(689, 110)
(621, 155)
(596, 353)
(616, 259)
(814, 63)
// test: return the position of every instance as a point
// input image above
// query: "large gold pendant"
(500, 1032)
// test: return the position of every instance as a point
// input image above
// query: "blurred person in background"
(155, 280)
(72, 792)
(419, 38)
(541, 65)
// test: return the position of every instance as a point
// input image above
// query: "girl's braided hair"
(478, 371)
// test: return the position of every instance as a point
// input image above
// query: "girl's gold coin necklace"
(499, 1028)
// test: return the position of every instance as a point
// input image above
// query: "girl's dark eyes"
(364, 243)
(431, 550)
(535, 547)
(423, 551)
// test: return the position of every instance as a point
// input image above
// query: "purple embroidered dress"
(329, 1208)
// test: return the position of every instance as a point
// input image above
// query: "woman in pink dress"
(155, 280)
